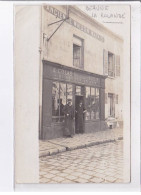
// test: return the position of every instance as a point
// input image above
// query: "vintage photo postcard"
(72, 93)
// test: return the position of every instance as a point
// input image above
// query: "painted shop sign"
(72, 22)
(70, 76)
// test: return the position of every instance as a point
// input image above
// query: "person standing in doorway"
(69, 119)
(80, 110)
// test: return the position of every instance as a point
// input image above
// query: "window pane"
(62, 102)
(78, 90)
(111, 105)
(76, 55)
(110, 62)
(88, 103)
(110, 65)
(97, 103)
(69, 91)
(55, 101)
(77, 52)
(93, 103)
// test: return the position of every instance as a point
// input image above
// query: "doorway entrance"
(79, 116)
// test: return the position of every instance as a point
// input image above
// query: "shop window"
(78, 53)
(69, 91)
(97, 110)
(88, 104)
(55, 101)
(92, 103)
(93, 112)
(60, 93)
(62, 101)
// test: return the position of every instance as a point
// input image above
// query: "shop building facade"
(79, 59)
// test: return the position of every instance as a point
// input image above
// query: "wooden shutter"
(117, 65)
(105, 62)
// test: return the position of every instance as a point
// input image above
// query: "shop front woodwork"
(61, 83)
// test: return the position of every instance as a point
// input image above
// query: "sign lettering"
(74, 77)
(74, 23)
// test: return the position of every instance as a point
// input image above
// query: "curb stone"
(70, 148)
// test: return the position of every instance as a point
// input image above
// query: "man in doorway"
(80, 110)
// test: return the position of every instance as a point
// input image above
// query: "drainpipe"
(40, 77)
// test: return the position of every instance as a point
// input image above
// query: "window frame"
(60, 117)
(113, 65)
(79, 65)
(81, 46)
(87, 120)
(112, 96)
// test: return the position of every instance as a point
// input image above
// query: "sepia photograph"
(75, 60)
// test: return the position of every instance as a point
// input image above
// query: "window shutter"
(117, 65)
(105, 62)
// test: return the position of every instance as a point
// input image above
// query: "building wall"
(59, 48)
(26, 101)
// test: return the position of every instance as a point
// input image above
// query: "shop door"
(78, 121)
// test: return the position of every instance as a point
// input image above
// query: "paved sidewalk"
(54, 146)
(103, 163)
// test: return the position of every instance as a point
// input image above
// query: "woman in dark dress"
(69, 117)
(80, 118)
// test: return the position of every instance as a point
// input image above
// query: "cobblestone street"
(54, 146)
(96, 164)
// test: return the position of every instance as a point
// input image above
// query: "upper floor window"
(111, 64)
(78, 52)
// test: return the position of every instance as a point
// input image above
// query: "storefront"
(61, 83)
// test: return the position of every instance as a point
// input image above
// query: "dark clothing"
(61, 110)
(80, 119)
(69, 115)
